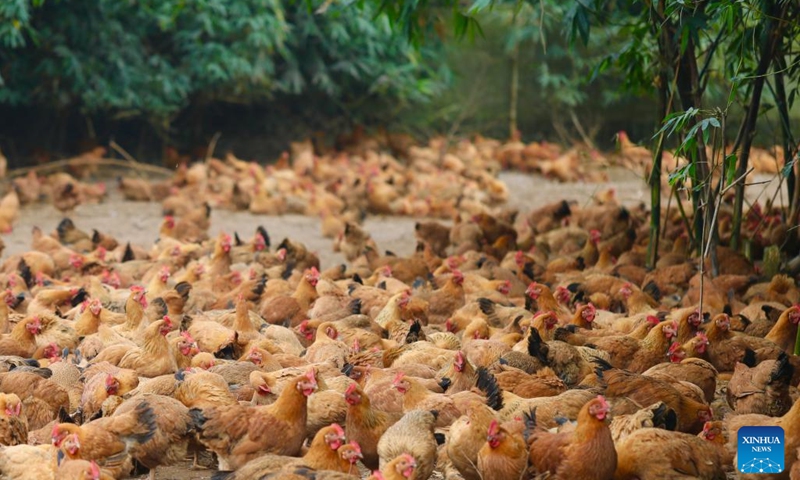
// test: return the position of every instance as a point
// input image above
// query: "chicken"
(135, 189)
(503, 455)
(326, 346)
(173, 426)
(542, 383)
(784, 333)
(402, 467)
(466, 437)
(657, 415)
(416, 396)
(202, 389)
(9, 211)
(586, 452)
(21, 341)
(41, 398)
(763, 389)
(328, 451)
(81, 470)
(28, 462)
(412, 434)
(66, 192)
(434, 234)
(110, 440)
(13, 422)
(153, 358)
(656, 453)
(239, 433)
(644, 390)
(693, 370)
(445, 300)
(290, 310)
(366, 424)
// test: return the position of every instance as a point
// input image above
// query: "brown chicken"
(28, 462)
(403, 467)
(240, 433)
(99, 387)
(42, 399)
(152, 359)
(328, 451)
(466, 438)
(290, 310)
(586, 452)
(109, 441)
(76, 469)
(645, 390)
(21, 341)
(504, 453)
(412, 434)
(366, 424)
(762, 389)
(657, 453)
(434, 234)
(693, 370)
(173, 427)
(13, 422)
(784, 333)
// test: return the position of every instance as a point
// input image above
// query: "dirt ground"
(139, 223)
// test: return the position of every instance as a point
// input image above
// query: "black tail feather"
(652, 289)
(287, 272)
(79, 297)
(445, 383)
(347, 369)
(665, 417)
(527, 269)
(489, 386)
(25, 272)
(355, 306)
(184, 289)
(749, 358)
(263, 232)
(486, 306)
(530, 423)
(128, 255)
(784, 371)
(536, 347)
(198, 419)
(602, 366)
(146, 418)
(259, 287)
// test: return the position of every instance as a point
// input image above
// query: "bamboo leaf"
(730, 168)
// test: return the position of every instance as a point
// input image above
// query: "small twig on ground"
(212, 145)
(127, 156)
(581, 131)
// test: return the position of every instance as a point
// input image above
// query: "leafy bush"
(152, 58)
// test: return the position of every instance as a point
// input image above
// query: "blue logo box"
(760, 450)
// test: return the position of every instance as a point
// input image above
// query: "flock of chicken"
(507, 346)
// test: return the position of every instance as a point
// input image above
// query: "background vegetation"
(170, 72)
(152, 74)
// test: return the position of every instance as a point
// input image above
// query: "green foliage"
(153, 57)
